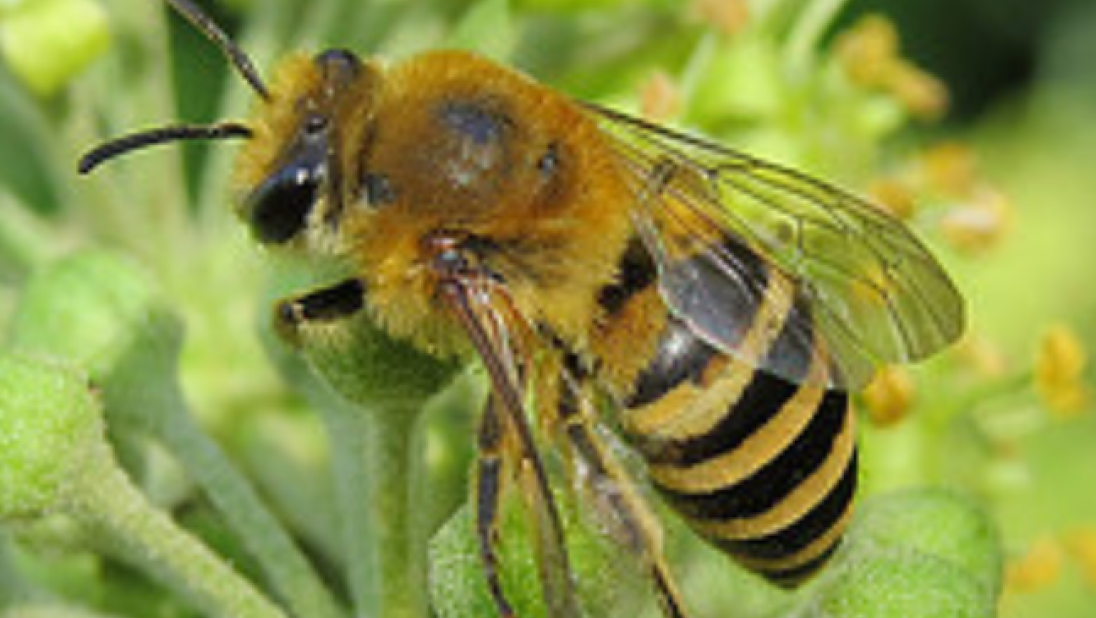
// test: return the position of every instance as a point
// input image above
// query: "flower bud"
(50, 423)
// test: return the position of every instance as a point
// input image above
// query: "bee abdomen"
(793, 553)
(780, 513)
(762, 466)
(777, 503)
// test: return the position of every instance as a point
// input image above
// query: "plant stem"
(377, 462)
(347, 429)
(393, 462)
(235, 498)
(24, 240)
(113, 509)
(14, 587)
(816, 16)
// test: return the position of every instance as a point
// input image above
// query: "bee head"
(289, 173)
(288, 165)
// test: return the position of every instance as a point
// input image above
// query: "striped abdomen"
(762, 466)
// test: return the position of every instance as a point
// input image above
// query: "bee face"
(290, 170)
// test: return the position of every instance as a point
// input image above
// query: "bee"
(715, 308)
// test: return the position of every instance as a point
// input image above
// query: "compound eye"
(278, 209)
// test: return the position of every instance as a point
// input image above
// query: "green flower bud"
(104, 313)
(47, 42)
(362, 363)
(50, 425)
(901, 583)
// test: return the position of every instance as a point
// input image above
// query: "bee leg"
(489, 487)
(627, 515)
(491, 476)
(337, 302)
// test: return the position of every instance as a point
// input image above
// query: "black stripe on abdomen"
(760, 402)
(681, 356)
(796, 536)
(793, 576)
(792, 554)
(773, 481)
(792, 551)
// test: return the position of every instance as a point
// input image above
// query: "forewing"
(871, 289)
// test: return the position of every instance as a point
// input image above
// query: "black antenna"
(183, 132)
(160, 135)
(235, 55)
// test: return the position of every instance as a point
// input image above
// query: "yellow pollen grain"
(889, 396)
(1081, 544)
(949, 168)
(893, 195)
(659, 97)
(1059, 371)
(1039, 567)
(868, 50)
(727, 16)
(979, 222)
(922, 94)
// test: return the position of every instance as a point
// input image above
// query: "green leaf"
(927, 553)
(607, 580)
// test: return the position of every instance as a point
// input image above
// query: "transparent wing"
(709, 215)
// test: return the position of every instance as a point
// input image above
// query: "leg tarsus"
(327, 305)
(488, 486)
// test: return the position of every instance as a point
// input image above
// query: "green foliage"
(608, 581)
(47, 42)
(922, 553)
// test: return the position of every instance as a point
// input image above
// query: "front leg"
(327, 305)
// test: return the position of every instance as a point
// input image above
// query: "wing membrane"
(873, 290)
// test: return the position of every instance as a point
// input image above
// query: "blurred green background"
(1024, 96)
(1021, 116)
